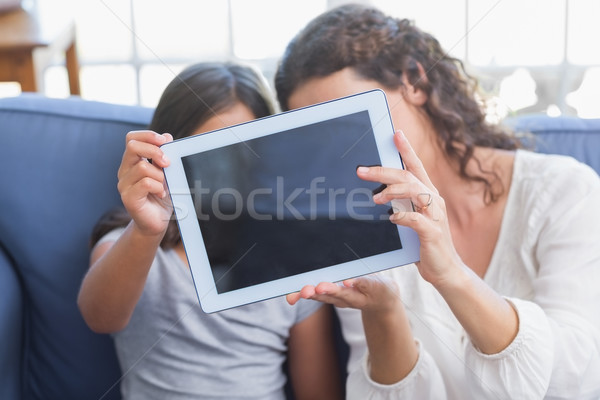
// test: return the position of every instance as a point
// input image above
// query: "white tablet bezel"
(375, 103)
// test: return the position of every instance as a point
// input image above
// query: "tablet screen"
(288, 203)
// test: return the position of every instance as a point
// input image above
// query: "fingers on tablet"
(168, 137)
(411, 161)
(383, 175)
(129, 176)
(292, 298)
(145, 145)
(147, 136)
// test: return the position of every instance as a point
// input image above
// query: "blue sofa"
(61, 158)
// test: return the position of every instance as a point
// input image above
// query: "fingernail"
(164, 158)
(363, 170)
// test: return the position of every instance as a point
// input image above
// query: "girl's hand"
(369, 293)
(439, 260)
(142, 184)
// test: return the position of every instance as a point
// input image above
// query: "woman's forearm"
(489, 319)
(115, 281)
(392, 349)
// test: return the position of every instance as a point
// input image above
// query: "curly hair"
(385, 49)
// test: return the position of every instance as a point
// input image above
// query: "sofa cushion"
(61, 158)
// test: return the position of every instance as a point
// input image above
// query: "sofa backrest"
(571, 136)
(60, 164)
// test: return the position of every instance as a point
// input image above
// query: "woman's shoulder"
(548, 166)
(544, 182)
(551, 172)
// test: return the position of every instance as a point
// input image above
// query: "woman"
(504, 301)
(139, 287)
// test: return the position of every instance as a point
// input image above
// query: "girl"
(140, 289)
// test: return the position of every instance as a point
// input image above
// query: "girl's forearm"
(115, 281)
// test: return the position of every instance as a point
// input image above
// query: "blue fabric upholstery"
(60, 163)
(61, 159)
(11, 330)
(571, 136)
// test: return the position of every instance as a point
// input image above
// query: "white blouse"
(547, 264)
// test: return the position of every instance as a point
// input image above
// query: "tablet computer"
(274, 204)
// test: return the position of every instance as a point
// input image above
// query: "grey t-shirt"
(171, 349)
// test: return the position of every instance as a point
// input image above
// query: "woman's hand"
(369, 293)
(439, 262)
(142, 184)
(489, 320)
(392, 349)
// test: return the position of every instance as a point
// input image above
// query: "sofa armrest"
(11, 329)
(62, 157)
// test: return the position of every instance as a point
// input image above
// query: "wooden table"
(28, 45)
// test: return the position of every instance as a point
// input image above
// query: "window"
(530, 55)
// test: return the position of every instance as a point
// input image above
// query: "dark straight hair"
(203, 90)
(196, 94)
